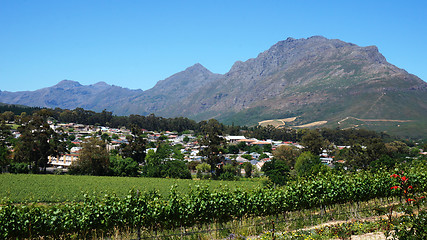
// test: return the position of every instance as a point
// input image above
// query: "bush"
(228, 176)
(19, 168)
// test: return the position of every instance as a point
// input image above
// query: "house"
(64, 160)
(234, 139)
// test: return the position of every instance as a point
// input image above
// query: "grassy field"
(63, 188)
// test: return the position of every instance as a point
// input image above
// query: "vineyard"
(66, 188)
(201, 205)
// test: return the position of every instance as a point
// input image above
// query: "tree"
(313, 142)
(203, 170)
(93, 159)
(306, 163)
(135, 148)
(8, 116)
(212, 143)
(165, 162)
(396, 148)
(286, 153)
(176, 169)
(152, 167)
(277, 171)
(192, 165)
(230, 172)
(375, 148)
(233, 149)
(203, 167)
(124, 167)
(105, 137)
(5, 136)
(355, 157)
(248, 169)
(36, 143)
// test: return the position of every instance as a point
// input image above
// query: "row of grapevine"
(201, 205)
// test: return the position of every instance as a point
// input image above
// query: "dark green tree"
(175, 169)
(5, 137)
(248, 169)
(307, 163)
(277, 171)
(93, 159)
(124, 167)
(233, 149)
(135, 148)
(313, 142)
(212, 142)
(165, 162)
(36, 143)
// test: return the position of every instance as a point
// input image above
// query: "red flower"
(410, 200)
(410, 187)
(404, 178)
(395, 175)
(421, 197)
(395, 187)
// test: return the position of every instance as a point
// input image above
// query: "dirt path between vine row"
(366, 236)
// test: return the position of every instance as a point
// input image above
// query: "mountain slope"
(173, 89)
(313, 79)
(71, 94)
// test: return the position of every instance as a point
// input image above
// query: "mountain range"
(315, 81)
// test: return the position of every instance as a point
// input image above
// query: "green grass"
(13, 126)
(64, 188)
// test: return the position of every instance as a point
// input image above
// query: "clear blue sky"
(136, 43)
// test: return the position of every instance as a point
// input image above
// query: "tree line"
(365, 149)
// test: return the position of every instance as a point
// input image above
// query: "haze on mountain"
(314, 79)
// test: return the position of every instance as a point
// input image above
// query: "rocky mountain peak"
(67, 84)
(197, 68)
(101, 83)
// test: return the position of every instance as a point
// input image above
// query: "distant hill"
(69, 94)
(319, 81)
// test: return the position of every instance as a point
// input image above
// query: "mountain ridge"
(314, 79)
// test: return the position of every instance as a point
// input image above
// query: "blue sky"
(136, 43)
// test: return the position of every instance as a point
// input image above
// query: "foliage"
(307, 164)
(24, 188)
(135, 148)
(248, 169)
(213, 142)
(233, 149)
(123, 167)
(277, 171)
(37, 142)
(175, 169)
(5, 142)
(313, 142)
(411, 225)
(165, 162)
(192, 165)
(199, 206)
(93, 159)
(286, 153)
(19, 168)
(228, 176)
(203, 167)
